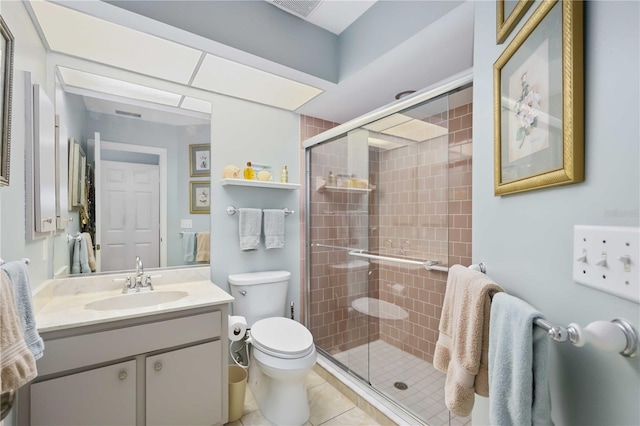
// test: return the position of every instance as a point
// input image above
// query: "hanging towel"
(188, 246)
(273, 228)
(75, 266)
(462, 347)
(203, 247)
(91, 258)
(518, 361)
(250, 226)
(84, 256)
(17, 364)
(19, 276)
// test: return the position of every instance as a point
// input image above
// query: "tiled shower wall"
(411, 214)
(425, 220)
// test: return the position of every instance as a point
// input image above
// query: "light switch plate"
(607, 258)
(186, 224)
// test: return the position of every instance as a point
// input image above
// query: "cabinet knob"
(158, 366)
(122, 375)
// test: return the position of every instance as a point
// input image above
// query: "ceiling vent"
(301, 8)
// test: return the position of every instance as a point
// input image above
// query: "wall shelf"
(260, 184)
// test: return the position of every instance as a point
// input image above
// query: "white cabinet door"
(103, 396)
(184, 387)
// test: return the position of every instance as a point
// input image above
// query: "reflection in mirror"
(129, 177)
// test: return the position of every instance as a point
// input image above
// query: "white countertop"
(60, 304)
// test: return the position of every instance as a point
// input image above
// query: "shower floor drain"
(401, 385)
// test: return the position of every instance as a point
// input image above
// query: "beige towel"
(202, 254)
(17, 364)
(90, 255)
(462, 349)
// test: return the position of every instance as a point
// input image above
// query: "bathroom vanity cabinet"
(158, 369)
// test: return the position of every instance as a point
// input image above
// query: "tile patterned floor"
(328, 407)
(388, 365)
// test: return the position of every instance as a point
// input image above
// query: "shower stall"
(388, 209)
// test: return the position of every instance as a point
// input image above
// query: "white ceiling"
(406, 62)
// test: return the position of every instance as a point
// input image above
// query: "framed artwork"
(199, 197)
(6, 86)
(200, 160)
(539, 102)
(508, 14)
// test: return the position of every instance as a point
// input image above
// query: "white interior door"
(129, 215)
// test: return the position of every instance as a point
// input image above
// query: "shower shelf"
(260, 184)
(321, 186)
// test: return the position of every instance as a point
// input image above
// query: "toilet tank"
(259, 295)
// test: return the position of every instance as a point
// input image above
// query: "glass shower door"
(338, 226)
(384, 198)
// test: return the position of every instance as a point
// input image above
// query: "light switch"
(186, 224)
(607, 258)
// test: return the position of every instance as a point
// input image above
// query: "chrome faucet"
(402, 250)
(139, 272)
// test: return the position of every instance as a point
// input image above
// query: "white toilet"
(282, 350)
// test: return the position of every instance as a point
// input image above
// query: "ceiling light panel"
(111, 86)
(387, 122)
(230, 78)
(74, 33)
(194, 104)
(417, 130)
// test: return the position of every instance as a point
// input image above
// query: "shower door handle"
(429, 265)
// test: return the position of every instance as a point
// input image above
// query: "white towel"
(91, 257)
(463, 343)
(250, 226)
(273, 228)
(19, 276)
(202, 246)
(17, 365)
(518, 361)
(189, 246)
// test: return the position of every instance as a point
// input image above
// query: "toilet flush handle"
(243, 292)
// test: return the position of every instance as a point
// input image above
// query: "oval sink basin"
(136, 300)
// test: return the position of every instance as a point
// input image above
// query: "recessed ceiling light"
(84, 36)
(111, 86)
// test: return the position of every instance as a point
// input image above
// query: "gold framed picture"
(508, 14)
(200, 197)
(6, 88)
(200, 160)
(539, 102)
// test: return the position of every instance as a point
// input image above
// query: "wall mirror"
(129, 176)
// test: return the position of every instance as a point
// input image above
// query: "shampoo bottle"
(284, 175)
(249, 173)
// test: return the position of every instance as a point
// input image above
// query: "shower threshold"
(388, 408)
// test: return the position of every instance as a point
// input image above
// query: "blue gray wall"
(526, 239)
(250, 132)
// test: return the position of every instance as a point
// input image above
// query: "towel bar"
(24, 259)
(603, 335)
(231, 210)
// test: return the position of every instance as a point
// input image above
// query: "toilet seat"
(282, 337)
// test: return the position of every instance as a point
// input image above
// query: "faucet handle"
(147, 282)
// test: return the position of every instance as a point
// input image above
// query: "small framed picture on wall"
(199, 197)
(200, 160)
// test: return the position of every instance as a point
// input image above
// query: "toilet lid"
(282, 335)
